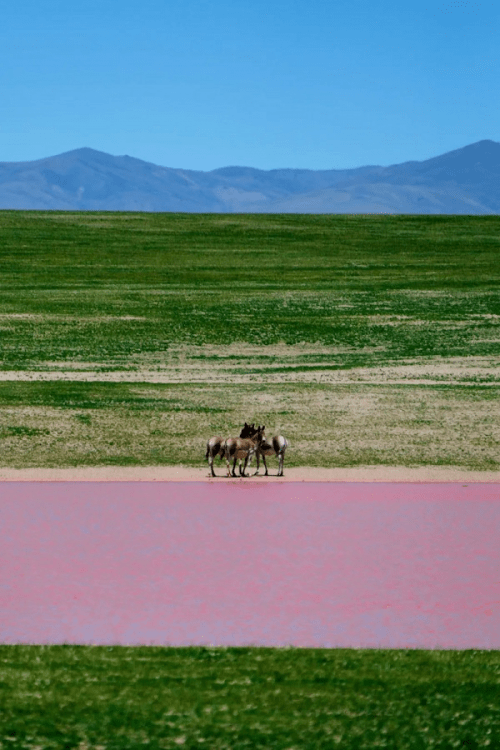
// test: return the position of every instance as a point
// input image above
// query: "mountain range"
(464, 181)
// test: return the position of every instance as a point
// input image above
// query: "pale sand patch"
(298, 474)
(79, 318)
(463, 371)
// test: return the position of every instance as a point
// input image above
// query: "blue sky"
(282, 83)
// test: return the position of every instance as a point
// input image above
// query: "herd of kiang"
(251, 442)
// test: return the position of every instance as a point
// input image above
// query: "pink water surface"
(319, 564)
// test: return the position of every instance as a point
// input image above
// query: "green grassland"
(120, 697)
(364, 339)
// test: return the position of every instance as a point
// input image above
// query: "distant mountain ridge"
(464, 181)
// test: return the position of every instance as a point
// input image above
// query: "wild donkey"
(276, 445)
(215, 446)
(242, 448)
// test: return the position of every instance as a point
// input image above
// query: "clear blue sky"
(265, 83)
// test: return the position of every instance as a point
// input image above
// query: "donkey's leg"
(281, 458)
(233, 473)
(227, 456)
(258, 461)
(265, 465)
(248, 458)
(211, 463)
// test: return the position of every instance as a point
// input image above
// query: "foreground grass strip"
(121, 697)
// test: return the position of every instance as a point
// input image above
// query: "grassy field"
(119, 697)
(130, 338)
(127, 339)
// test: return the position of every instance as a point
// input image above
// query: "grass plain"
(128, 339)
(225, 698)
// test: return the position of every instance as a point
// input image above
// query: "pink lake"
(318, 564)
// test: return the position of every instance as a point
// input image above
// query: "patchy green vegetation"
(78, 424)
(225, 698)
(93, 287)
(190, 324)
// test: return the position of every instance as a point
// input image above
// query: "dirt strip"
(298, 474)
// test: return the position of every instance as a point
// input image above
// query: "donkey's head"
(248, 431)
(259, 434)
(263, 442)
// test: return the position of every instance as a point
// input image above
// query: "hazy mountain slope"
(90, 180)
(463, 181)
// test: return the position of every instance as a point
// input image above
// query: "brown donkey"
(215, 446)
(242, 448)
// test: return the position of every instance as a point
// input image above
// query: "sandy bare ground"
(297, 474)
(184, 367)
